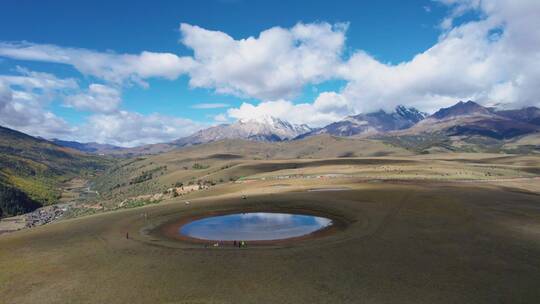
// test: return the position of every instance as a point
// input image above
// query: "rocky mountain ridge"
(461, 119)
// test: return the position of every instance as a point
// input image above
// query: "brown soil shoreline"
(171, 229)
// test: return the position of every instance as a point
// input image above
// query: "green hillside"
(31, 170)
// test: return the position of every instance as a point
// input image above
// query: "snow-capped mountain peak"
(410, 114)
(372, 123)
(264, 128)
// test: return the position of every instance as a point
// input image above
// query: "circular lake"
(254, 226)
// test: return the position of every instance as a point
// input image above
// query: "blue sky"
(162, 95)
(391, 30)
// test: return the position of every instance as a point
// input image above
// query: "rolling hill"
(226, 160)
(91, 147)
(31, 170)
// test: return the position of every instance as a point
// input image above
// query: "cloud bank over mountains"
(493, 58)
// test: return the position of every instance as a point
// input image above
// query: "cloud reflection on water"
(254, 226)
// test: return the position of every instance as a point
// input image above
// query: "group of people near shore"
(239, 244)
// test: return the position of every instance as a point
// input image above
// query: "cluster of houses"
(183, 190)
(45, 215)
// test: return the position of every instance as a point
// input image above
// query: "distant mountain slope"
(461, 108)
(529, 115)
(469, 127)
(469, 118)
(529, 144)
(464, 119)
(31, 169)
(267, 129)
(91, 147)
(372, 123)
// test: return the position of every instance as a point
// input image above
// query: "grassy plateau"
(434, 228)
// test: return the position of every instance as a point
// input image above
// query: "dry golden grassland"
(419, 229)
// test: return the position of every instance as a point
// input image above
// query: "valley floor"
(417, 239)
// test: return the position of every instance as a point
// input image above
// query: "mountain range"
(471, 119)
(371, 123)
(462, 119)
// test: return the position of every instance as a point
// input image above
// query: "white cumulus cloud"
(328, 107)
(466, 63)
(276, 64)
(493, 60)
(24, 112)
(129, 129)
(109, 66)
(98, 98)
